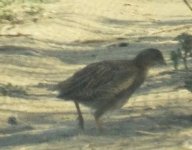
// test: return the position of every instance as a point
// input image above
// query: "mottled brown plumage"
(108, 85)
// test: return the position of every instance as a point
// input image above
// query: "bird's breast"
(126, 93)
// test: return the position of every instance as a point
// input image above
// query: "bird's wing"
(89, 77)
(98, 79)
(121, 81)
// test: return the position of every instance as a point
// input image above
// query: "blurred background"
(43, 42)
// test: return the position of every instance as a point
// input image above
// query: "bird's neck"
(142, 65)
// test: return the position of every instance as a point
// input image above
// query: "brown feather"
(109, 81)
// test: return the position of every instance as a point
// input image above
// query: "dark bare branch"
(188, 5)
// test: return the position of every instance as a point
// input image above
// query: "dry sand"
(79, 32)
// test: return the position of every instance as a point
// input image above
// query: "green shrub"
(12, 90)
(18, 11)
(184, 53)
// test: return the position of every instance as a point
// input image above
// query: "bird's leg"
(80, 116)
(98, 122)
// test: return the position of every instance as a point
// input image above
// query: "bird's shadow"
(128, 123)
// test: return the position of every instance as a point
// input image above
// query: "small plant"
(184, 52)
(34, 10)
(7, 15)
(188, 84)
(19, 11)
(175, 57)
(12, 90)
(4, 3)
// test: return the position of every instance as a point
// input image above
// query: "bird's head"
(149, 58)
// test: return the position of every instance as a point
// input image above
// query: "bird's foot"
(81, 123)
(99, 125)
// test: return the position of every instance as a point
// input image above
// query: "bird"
(107, 85)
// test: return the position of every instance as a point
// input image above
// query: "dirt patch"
(158, 115)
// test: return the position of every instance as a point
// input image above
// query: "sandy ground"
(79, 32)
